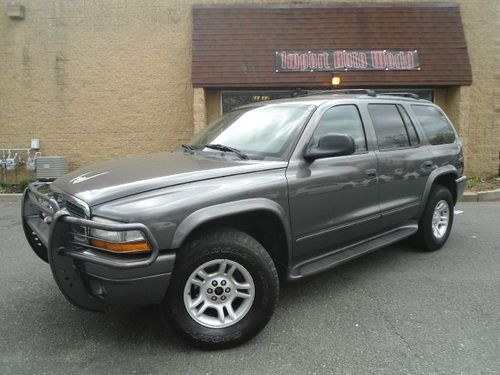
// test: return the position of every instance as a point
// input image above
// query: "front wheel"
(223, 290)
(436, 221)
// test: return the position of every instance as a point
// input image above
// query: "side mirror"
(330, 145)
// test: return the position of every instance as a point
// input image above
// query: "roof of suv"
(325, 96)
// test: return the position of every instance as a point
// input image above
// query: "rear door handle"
(371, 173)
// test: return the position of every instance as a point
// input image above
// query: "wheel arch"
(444, 176)
(262, 218)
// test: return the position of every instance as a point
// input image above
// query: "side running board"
(342, 255)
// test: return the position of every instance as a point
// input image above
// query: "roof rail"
(405, 94)
(344, 91)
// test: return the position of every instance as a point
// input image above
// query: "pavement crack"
(385, 318)
(395, 330)
(379, 311)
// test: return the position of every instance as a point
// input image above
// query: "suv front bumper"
(90, 277)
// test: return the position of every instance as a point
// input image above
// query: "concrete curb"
(10, 197)
(481, 196)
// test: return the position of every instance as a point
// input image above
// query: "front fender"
(206, 214)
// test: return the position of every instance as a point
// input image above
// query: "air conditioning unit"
(51, 167)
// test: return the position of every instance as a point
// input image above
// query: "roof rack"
(405, 94)
(344, 91)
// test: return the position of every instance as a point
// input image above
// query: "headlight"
(132, 241)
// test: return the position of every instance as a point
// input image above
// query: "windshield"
(267, 132)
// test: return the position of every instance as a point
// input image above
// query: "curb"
(481, 196)
(11, 197)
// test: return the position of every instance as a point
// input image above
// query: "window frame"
(308, 144)
(412, 124)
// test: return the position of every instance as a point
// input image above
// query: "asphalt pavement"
(395, 311)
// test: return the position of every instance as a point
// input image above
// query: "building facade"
(99, 80)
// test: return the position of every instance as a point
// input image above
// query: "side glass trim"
(402, 111)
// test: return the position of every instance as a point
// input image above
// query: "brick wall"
(98, 80)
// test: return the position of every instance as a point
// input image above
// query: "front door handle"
(371, 173)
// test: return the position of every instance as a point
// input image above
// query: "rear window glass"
(436, 127)
(389, 127)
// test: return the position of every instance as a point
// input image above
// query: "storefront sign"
(342, 60)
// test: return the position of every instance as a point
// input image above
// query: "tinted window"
(435, 126)
(410, 128)
(389, 126)
(342, 119)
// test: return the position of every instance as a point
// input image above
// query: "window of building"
(234, 99)
(434, 124)
(389, 126)
(342, 119)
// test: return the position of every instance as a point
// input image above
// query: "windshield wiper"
(225, 148)
(188, 147)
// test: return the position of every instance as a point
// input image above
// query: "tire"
(428, 237)
(229, 259)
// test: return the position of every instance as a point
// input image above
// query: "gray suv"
(273, 191)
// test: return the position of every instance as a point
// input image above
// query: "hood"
(115, 179)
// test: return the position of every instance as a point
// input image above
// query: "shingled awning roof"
(235, 45)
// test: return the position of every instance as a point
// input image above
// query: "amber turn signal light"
(121, 247)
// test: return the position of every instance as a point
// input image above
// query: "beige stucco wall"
(213, 104)
(97, 80)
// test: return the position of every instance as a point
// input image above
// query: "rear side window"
(410, 128)
(435, 126)
(342, 119)
(389, 126)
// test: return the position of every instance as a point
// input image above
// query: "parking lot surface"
(395, 311)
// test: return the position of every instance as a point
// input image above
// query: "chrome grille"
(79, 233)
(75, 210)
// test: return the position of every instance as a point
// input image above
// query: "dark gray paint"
(120, 178)
(192, 204)
(331, 210)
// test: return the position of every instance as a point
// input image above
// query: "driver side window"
(342, 119)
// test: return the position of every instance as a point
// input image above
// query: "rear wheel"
(437, 219)
(223, 290)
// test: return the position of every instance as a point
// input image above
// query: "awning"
(237, 45)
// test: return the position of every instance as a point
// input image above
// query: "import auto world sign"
(342, 60)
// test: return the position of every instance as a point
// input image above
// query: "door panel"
(402, 178)
(332, 202)
(403, 164)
